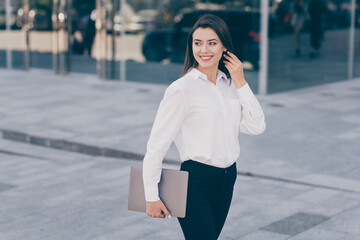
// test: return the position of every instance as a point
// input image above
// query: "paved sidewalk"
(304, 169)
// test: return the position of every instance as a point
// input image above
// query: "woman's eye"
(197, 44)
(213, 43)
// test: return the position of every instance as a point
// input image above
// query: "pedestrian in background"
(203, 112)
(297, 20)
(316, 10)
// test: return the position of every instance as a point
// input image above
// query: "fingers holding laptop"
(157, 209)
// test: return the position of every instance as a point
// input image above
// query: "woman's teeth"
(205, 58)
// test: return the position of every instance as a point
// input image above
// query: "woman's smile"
(206, 58)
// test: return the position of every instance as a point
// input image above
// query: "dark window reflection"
(82, 27)
(14, 5)
(309, 43)
(308, 39)
(82, 32)
(163, 48)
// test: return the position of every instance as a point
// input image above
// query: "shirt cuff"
(151, 194)
(244, 92)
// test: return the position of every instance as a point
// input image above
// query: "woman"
(203, 112)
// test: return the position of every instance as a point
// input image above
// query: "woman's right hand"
(157, 209)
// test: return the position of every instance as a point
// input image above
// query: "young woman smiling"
(203, 113)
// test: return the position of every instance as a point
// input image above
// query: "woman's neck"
(209, 72)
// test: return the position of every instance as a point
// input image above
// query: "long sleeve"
(252, 120)
(171, 113)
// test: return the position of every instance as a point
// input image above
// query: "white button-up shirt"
(204, 120)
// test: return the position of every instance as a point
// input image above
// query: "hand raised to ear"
(235, 68)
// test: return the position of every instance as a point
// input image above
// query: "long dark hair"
(220, 28)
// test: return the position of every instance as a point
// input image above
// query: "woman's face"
(207, 47)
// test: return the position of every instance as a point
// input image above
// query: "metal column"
(63, 37)
(60, 41)
(25, 30)
(264, 47)
(101, 43)
(54, 38)
(352, 41)
(8, 29)
(122, 41)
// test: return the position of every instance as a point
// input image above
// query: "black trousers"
(210, 191)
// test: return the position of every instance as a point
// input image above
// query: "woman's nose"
(204, 48)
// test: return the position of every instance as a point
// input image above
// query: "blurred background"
(80, 83)
(309, 42)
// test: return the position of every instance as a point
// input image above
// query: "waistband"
(205, 167)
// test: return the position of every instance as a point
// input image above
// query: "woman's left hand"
(235, 67)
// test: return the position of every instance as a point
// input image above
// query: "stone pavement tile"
(266, 189)
(254, 206)
(353, 173)
(133, 119)
(272, 167)
(29, 170)
(333, 206)
(116, 173)
(33, 178)
(352, 236)
(82, 220)
(26, 230)
(348, 222)
(53, 133)
(265, 196)
(4, 187)
(339, 105)
(143, 228)
(81, 166)
(167, 229)
(27, 115)
(63, 198)
(68, 219)
(319, 234)
(315, 196)
(350, 135)
(295, 224)
(15, 173)
(39, 154)
(263, 235)
(332, 181)
(351, 195)
(351, 118)
(243, 205)
(240, 224)
(281, 210)
(297, 186)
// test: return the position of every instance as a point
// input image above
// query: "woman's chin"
(207, 64)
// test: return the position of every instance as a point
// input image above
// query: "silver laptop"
(172, 190)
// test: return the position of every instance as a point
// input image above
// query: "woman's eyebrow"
(207, 40)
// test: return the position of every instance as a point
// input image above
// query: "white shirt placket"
(225, 117)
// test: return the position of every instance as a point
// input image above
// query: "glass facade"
(39, 32)
(12, 38)
(81, 17)
(310, 44)
(145, 40)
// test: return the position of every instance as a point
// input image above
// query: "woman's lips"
(205, 58)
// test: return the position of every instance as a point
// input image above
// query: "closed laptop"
(172, 190)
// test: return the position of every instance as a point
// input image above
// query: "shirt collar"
(195, 73)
